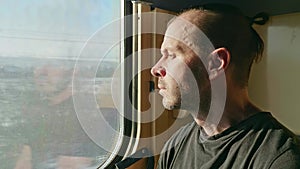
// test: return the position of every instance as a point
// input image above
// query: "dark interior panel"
(250, 7)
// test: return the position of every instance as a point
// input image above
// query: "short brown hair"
(226, 26)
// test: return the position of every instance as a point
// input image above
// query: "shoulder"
(290, 158)
(265, 123)
(277, 143)
(287, 145)
(179, 136)
(172, 146)
(280, 134)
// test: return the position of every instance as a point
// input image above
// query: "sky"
(51, 28)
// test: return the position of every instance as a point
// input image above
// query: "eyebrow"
(172, 49)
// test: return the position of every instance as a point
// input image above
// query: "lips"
(160, 86)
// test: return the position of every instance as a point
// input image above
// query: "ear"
(218, 61)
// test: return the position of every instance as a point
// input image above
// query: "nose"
(158, 71)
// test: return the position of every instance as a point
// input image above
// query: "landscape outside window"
(40, 41)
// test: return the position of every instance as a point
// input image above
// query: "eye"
(171, 56)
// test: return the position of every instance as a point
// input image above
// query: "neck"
(238, 107)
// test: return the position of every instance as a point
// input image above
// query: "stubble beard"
(173, 101)
(190, 105)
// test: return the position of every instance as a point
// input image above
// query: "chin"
(170, 105)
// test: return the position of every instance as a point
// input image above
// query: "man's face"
(176, 80)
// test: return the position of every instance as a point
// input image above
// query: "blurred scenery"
(39, 44)
(35, 113)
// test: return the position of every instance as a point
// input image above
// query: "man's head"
(235, 45)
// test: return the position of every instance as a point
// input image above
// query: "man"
(228, 131)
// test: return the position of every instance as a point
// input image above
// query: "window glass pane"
(39, 43)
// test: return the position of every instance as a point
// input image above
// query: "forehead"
(172, 45)
(187, 38)
(181, 35)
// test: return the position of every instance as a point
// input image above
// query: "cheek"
(199, 72)
(177, 69)
(187, 79)
(170, 84)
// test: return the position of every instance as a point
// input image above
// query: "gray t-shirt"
(259, 142)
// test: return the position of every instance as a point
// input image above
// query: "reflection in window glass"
(40, 41)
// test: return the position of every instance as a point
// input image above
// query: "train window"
(41, 124)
